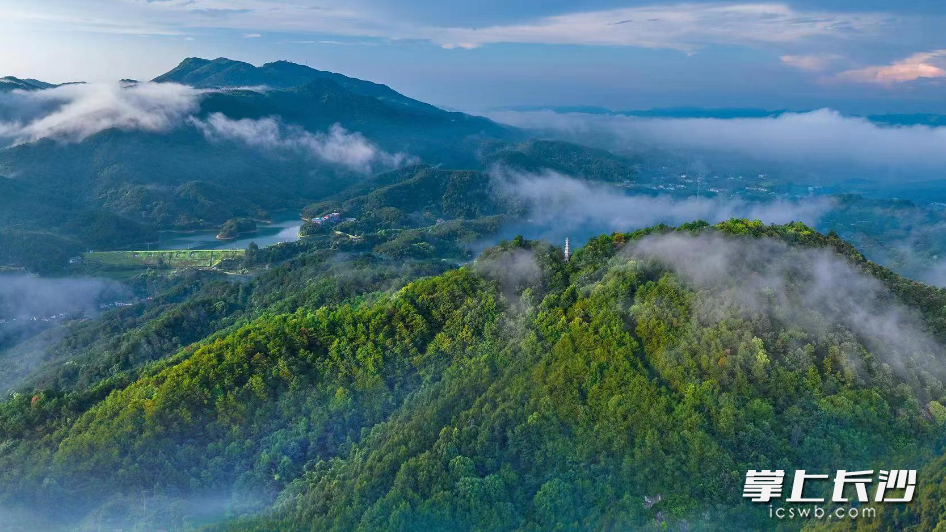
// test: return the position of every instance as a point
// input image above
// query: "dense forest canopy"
(519, 392)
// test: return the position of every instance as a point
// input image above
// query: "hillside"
(520, 392)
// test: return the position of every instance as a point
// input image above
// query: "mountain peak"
(224, 72)
(8, 83)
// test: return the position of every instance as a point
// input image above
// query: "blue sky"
(858, 56)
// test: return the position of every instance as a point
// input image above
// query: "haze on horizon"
(853, 56)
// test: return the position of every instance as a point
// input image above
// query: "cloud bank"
(566, 200)
(822, 137)
(560, 206)
(72, 113)
(336, 146)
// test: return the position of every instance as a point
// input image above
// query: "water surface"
(285, 228)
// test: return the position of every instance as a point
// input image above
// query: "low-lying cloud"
(513, 270)
(567, 204)
(336, 146)
(30, 305)
(72, 113)
(26, 296)
(814, 289)
(818, 138)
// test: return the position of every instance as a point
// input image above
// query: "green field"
(186, 258)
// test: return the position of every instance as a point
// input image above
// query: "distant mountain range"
(668, 112)
(726, 113)
(9, 83)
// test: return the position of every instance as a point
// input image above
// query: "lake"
(284, 228)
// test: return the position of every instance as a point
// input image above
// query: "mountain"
(38, 224)
(9, 83)
(223, 72)
(441, 136)
(210, 165)
(629, 388)
(242, 153)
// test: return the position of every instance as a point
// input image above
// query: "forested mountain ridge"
(9, 83)
(227, 73)
(521, 392)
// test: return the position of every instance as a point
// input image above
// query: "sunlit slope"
(519, 393)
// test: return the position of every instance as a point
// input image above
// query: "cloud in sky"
(930, 64)
(459, 45)
(822, 137)
(685, 26)
(331, 42)
(811, 62)
(654, 54)
(115, 21)
(682, 26)
(219, 12)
